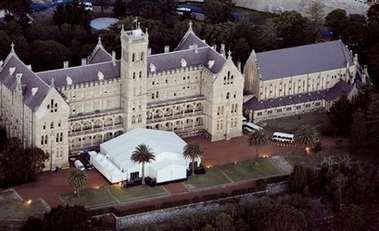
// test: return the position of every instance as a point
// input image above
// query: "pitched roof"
(327, 94)
(189, 39)
(192, 57)
(82, 74)
(99, 54)
(29, 80)
(303, 60)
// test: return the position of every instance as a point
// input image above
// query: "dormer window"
(183, 62)
(100, 75)
(152, 67)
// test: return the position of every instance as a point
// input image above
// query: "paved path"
(282, 164)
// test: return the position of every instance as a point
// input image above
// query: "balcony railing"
(99, 113)
(95, 130)
(172, 102)
(174, 117)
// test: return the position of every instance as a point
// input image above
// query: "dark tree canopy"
(341, 115)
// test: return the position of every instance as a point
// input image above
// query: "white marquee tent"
(114, 162)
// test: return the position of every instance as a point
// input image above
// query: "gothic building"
(192, 90)
(300, 79)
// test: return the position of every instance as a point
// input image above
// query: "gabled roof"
(82, 74)
(99, 54)
(193, 57)
(303, 60)
(29, 80)
(328, 94)
(193, 51)
(189, 39)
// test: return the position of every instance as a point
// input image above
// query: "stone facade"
(193, 90)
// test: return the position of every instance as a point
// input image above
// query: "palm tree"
(142, 155)
(307, 136)
(257, 139)
(77, 179)
(193, 150)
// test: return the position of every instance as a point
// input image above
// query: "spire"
(190, 26)
(12, 48)
(52, 82)
(99, 41)
(229, 55)
(122, 28)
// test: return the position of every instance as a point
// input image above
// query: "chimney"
(239, 66)
(84, 61)
(166, 49)
(65, 64)
(34, 91)
(114, 58)
(29, 67)
(222, 50)
(149, 51)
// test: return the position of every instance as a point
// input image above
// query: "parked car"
(78, 164)
(88, 164)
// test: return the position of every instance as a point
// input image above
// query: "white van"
(283, 137)
(87, 6)
(244, 121)
(252, 127)
(78, 164)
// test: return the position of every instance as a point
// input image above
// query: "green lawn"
(247, 170)
(212, 177)
(292, 123)
(137, 193)
(311, 159)
(90, 197)
(16, 209)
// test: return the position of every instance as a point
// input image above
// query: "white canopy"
(167, 147)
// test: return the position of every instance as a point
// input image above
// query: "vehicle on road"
(283, 137)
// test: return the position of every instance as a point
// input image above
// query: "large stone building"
(191, 90)
(300, 79)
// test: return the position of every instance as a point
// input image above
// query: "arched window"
(140, 74)
(45, 139)
(227, 95)
(42, 138)
(134, 75)
(142, 56)
(61, 137)
(133, 57)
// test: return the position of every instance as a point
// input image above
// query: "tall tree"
(316, 18)
(193, 150)
(358, 131)
(60, 218)
(372, 119)
(15, 7)
(119, 9)
(224, 222)
(336, 18)
(279, 217)
(341, 115)
(257, 139)
(104, 4)
(349, 218)
(298, 179)
(77, 179)
(34, 162)
(11, 162)
(290, 29)
(216, 11)
(373, 13)
(307, 136)
(142, 154)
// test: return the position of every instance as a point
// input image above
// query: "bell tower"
(134, 45)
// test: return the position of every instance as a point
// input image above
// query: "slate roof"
(329, 95)
(303, 60)
(82, 74)
(172, 60)
(29, 80)
(189, 39)
(99, 54)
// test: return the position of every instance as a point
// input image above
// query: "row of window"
(280, 110)
(53, 107)
(156, 82)
(233, 109)
(136, 119)
(51, 125)
(58, 138)
(228, 95)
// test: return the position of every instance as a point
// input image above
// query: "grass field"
(136, 193)
(291, 124)
(213, 177)
(16, 209)
(90, 197)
